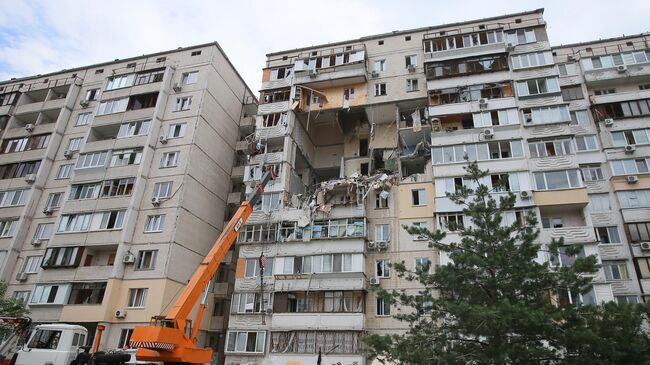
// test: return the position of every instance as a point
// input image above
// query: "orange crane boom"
(171, 338)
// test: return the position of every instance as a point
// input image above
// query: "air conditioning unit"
(36, 242)
(525, 194)
(488, 133)
(374, 74)
(630, 148)
(374, 280)
(382, 245)
(48, 210)
(269, 311)
(411, 68)
(84, 103)
(155, 201)
(120, 313)
(510, 47)
(163, 139)
(632, 179)
(129, 258)
(30, 178)
(482, 103)
(177, 87)
(21, 276)
(313, 73)
(372, 245)
(29, 127)
(68, 154)
(609, 122)
(645, 246)
(621, 68)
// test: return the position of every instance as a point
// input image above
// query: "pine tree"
(494, 303)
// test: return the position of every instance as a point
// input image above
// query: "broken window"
(274, 96)
(467, 66)
(520, 36)
(538, 86)
(418, 197)
(281, 73)
(363, 147)
(142, 101)
(348, 93)
(412, 85)
(246, 342)
(572, 93)
(623, 109)
(271, 120)
(380, 89)
(411, 61)
(451, 221)
(383, 268)
(313, 342)
(550, 147)
(471, 93)
(381, 200)
(149, 77)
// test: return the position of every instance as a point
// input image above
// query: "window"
(137, 297)
(382, 233)
(92, 94)
(83, 119)
(177, 130)
(146, 260)
(608, 234)
(379, 65)
(19, 169)
(579, 117)
(383, 307)
(163, 189)
(418, 197)
(634, 198)
(380, 89)
(543, 115)
(126, 157)
(641, 87)
(189, 78)
(45, 339)
(75, 222)
(383, 268)
(638, 232)
(464, 94)
(467, 66)
(411, 61)
(155, 223)
(54, 200)
(62, 257)
(32, 263)
(246, 341)
(125, 338)
(605, 91)
(644, 267)
(87, 293)
(478, 151)
(418, 237)
(280, 73)
(630, 167)
(615, 270)
(550, 180)
(183, 103)
(130, 129)
(8, 98)
(47, 294)
(22, 295)
(252, 268)
(274, 96)
(572, 93)
(34, 142)
(412, 85)
(348, 93)
(44, 231)
(268, 202)
(271, 120)
(626, 299)
(562, 259)
(117, 187)
(113, 106)
(381, 200)
(169, 159)
(520, 36)
(495, 117)
(81, 222)
(90, 160)
(624, 109)
(451, 221)
(548, 222)
(532, 60)
(13, 198)
(74, 144)
(423, 264)
(599, 203)
(118, 82)
(8, 228)
(84, 191)
(636, 136)
(549, 148)
(65, 171)
(463, 41)
(538, 86)
(149, 77)
(586, 143)
(249, 302)
(567, 69)
(616, 59)
(263, 233)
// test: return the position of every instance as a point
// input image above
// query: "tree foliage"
(10, 307)
(495, 302)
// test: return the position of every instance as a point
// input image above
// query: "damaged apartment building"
(368, 135)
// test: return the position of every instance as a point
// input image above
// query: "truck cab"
(53, 344)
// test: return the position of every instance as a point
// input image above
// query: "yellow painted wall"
(334, 96)
(620, 183)
(560, 197)
(405, 207)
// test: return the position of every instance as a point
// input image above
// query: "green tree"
(10, 307)
(494, 303)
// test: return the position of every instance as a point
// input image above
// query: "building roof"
(587, 43)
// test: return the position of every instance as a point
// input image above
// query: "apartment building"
(367, 135)
(103, 217)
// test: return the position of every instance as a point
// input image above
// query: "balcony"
(324, 281)
(84, 273)
(348, 68)
(554, 162)
(581, 234)
(629, 74)
(577, 197)
(317, 321)
(465, 52)
(275, 107)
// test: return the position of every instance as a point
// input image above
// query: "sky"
(38, 37)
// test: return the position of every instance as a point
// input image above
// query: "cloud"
(47, 36)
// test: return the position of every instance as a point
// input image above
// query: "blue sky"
(46, 36)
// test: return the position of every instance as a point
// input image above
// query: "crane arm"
(166, 338)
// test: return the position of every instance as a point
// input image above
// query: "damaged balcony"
(318, 310)
(565, 222)
(472, 98)
(459, 43)
(322, 229)
(466, 67)
(414, 134)
(331, 67)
